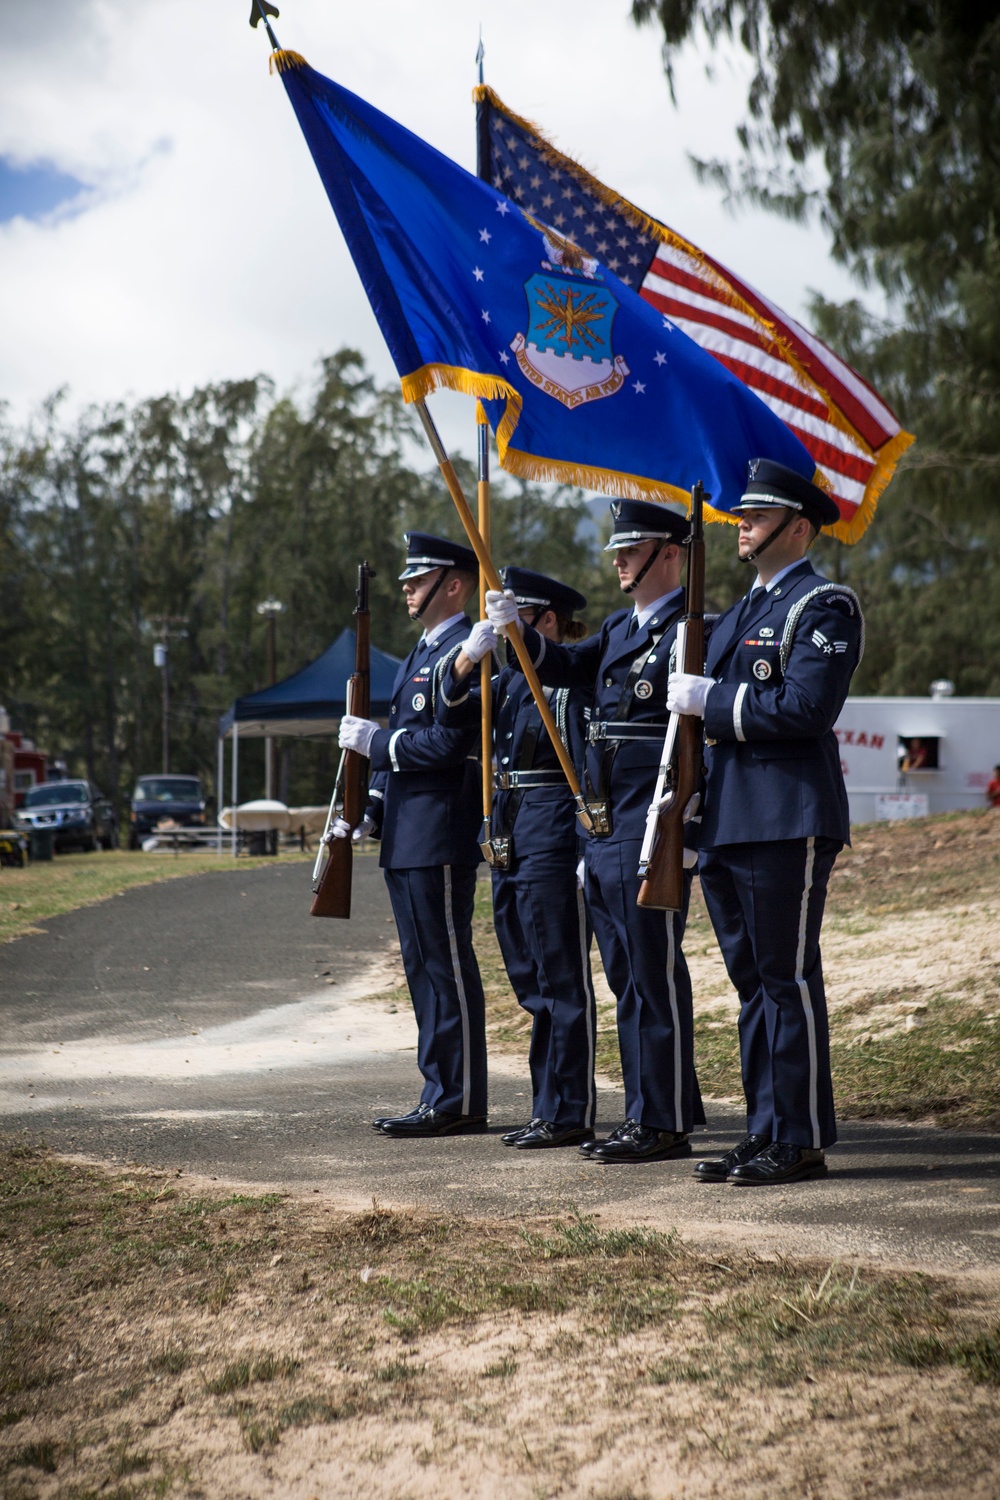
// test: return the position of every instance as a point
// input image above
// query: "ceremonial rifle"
(661, 859)
(335, 862)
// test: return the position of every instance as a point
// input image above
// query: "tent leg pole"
(235, 778)
(267, 768)
(220, 771)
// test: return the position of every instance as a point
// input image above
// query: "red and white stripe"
(799, 378)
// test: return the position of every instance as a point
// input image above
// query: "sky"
(162, 224)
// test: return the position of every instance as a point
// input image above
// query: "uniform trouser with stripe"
(645, 967)
(766, 904)
(544, 932)
(433, 911)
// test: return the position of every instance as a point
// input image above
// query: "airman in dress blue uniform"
(778, 670)
(539, 910)
(625, 668)
(424, 806)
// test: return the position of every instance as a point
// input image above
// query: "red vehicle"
(31, 765)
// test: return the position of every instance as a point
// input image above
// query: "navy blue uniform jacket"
(782, 675)
(425, 789)
(545, 817)
(602, 663)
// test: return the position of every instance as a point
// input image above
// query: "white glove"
(363, 830)
(341, 829)
(686, 693)
(482, 641)
(501, 609)
(581, 871)
(690, 858)
(357, 734)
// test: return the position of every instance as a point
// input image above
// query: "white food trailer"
(908, 757)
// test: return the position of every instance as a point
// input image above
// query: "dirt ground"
(161, 1335)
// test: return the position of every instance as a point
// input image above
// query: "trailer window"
(918, 753)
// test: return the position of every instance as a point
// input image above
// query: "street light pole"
(270, 608)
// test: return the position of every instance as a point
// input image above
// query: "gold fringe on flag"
(284, 61)
(418, 385)
(886, 459)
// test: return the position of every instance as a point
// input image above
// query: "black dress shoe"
(381, 1120)
(718, 1168)
(511, 1137)
(428, 1121)
(587, 1148)
(637, 1142)
(544, 1133)
(779, 1163)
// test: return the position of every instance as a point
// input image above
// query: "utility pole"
(270, 608)
(167, 625)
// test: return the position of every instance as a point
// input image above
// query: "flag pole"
(483, 495)
(515, 637)
(486, 665)
(259, 11)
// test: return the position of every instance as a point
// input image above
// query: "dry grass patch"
(158, 1340)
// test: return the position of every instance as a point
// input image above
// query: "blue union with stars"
(517, 303)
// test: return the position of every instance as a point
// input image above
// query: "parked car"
(157, 799)
(79, 815)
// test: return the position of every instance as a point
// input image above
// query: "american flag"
(853, 436)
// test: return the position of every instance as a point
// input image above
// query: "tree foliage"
(882, 117)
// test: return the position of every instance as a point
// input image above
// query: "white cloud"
(210, 251)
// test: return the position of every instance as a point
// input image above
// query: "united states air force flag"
(582, 380)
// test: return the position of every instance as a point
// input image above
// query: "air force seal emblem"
(643, 689)
(762, 669)
(418, 701)
(567, 350)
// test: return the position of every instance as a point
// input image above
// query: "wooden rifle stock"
(663, 871)
(332, 891)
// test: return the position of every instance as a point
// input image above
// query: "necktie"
(633, 621)
(750, 602)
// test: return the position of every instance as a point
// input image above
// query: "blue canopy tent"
(308, 704)
(311, 701)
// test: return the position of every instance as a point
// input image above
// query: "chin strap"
(650, 560)
(792, 515)
(441, 578)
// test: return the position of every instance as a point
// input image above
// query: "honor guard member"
(778, 670)
(539, 909)
(425, 808)
(625, 668)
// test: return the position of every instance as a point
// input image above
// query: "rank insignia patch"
(761, 669)
(828, 647)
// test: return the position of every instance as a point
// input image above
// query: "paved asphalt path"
(210, 1025)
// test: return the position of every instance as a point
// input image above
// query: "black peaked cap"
(643, 520)
(425, 552)
(770, 483)
(534, 588)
